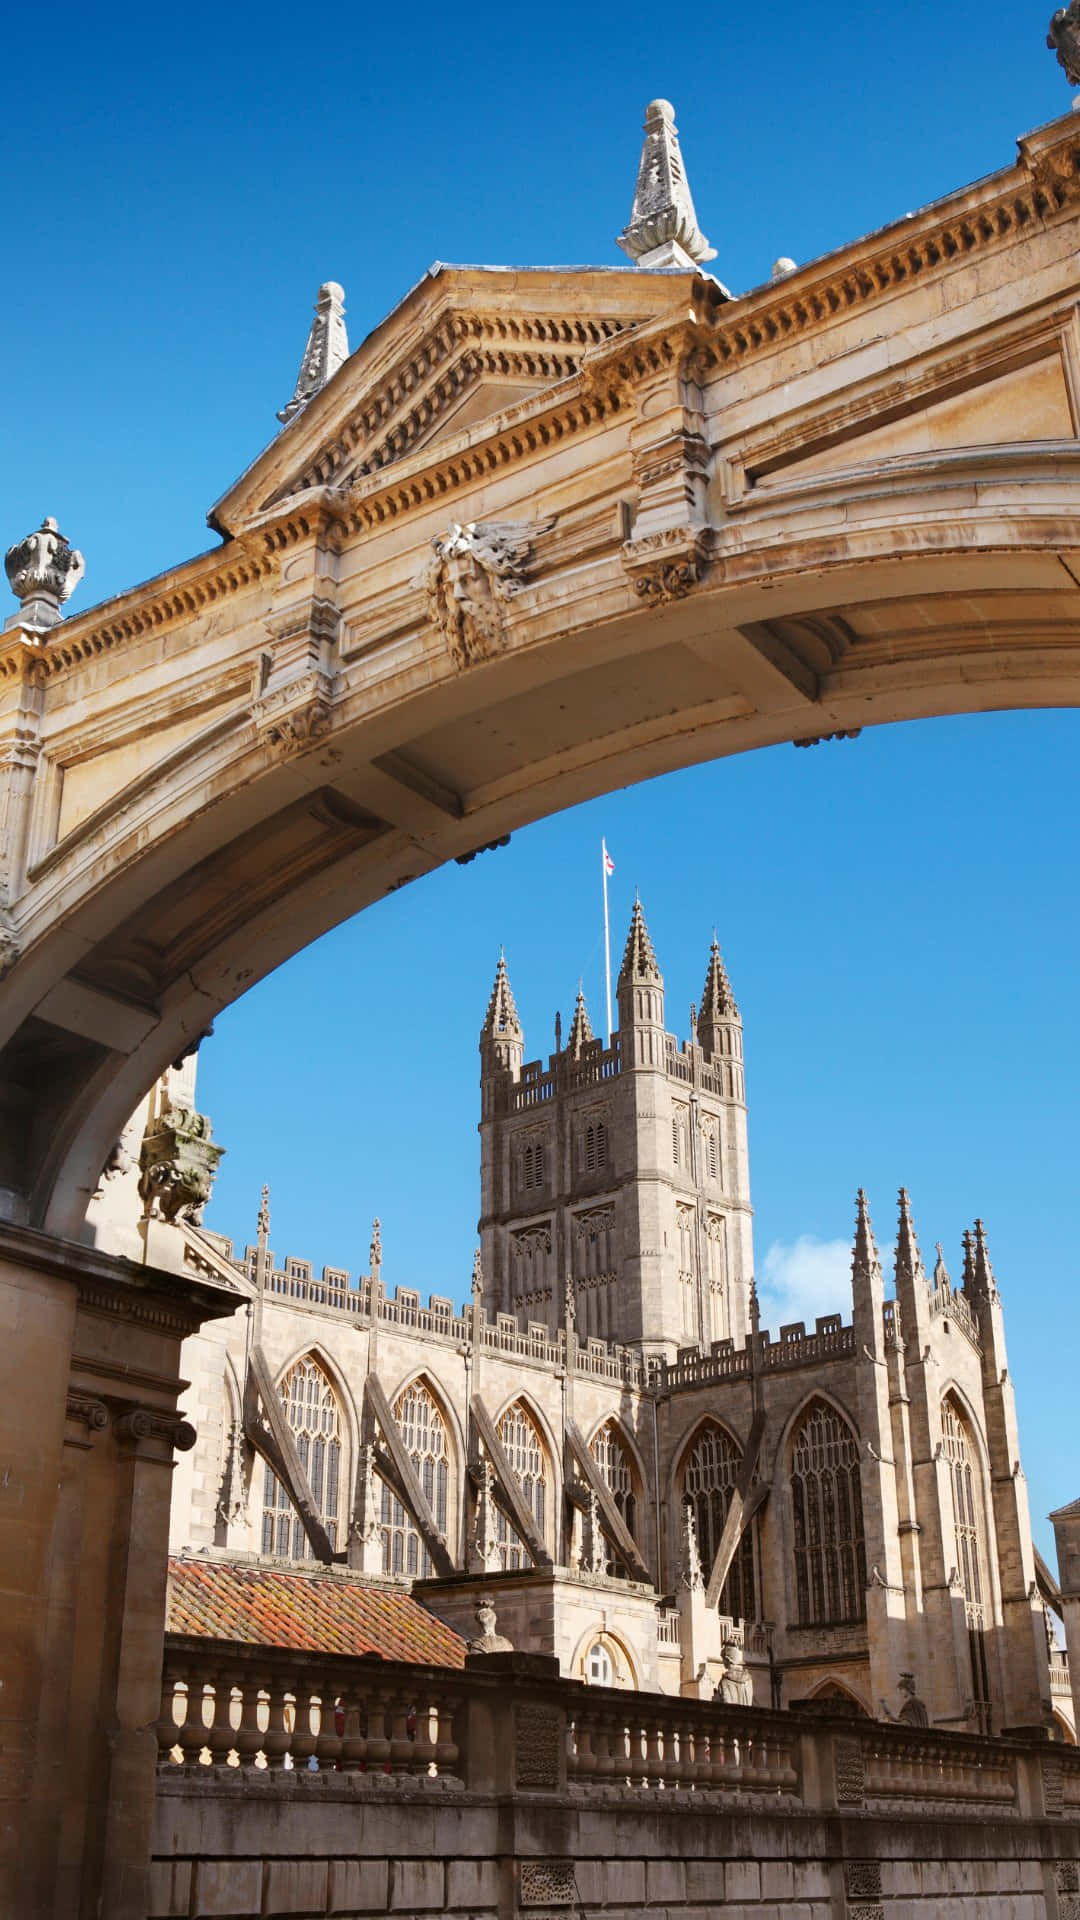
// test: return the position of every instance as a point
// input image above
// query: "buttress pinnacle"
(909, 1263)
(717, 999)
(580, 1027)
(865, 1263)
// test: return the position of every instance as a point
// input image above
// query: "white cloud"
(803, 1278)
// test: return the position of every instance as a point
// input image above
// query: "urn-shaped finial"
(44, 572)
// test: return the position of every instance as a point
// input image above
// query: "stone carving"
(1053, 1777)
(44, 571)
(486, 1556)
(664, 566)
(662, 230)
(365, 1529)
(594, 1549)
(147, 1423)
(547, 1883)
(327, 349)
(375, 1249)
(477, 1276)
(736, 1688)
(488, 1641)
(850, 1773)
(1064, 40)
(88, 1411)
(538, 1746)
(232, 1498)
(690, 1573)
(177, 1164)
(862, 1879)
(1067, 1879)
(475, 571)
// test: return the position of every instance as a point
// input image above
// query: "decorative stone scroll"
(665, 565)
(538, 1738)
(147, 1423)
(90, 1413)
(475, 572)
(547, 1883)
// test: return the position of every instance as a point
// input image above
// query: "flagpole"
(607, 936)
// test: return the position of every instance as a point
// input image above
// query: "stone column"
(84, 1522)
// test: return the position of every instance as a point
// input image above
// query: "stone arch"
(319, 1424)
(448, 1411)
(841, 1690)
(628, 1669)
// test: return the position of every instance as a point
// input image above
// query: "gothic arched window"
(959, 1451)
(709, 1476)
(423, 1431)
(613, 1460)
(826, 1495)
(312, 1411)
(525, 1452)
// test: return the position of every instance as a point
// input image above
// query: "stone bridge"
(544, 533)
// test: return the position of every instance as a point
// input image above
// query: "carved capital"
(148, 1423)
(88, 1412)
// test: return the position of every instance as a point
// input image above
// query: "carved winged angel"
(1064, 38)
(475, 570)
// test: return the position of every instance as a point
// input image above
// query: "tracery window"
(312, 1411)
(524, 1450)
(830, 1556)
(709, 1476)
(423, 1431)
(613, 1460)
(967, 1535)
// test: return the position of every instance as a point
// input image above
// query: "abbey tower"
(617, 1177)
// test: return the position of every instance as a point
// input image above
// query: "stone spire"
(718, 1018)
(983, 1283)
(44, 571)
(502, 1037)
(909, 1263)
(581, 1026)
(662, 230)
(865, 1262)
(639, 960)
(327, 349)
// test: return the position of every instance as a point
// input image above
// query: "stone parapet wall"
(504, 1791)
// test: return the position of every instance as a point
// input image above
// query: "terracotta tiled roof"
(320, 1612)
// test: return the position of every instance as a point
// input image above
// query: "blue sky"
(899, 913)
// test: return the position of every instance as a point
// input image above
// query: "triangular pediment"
(465, 347)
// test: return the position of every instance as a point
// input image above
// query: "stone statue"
(1064, 39)
(736, 1689)
(488, 1640)
(690, 1573)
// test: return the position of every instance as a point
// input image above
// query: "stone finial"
(327, 349)
(782, 267)
(375, 1249)
(581, 1026)
(477, 1276)
(942, 1282)
(488, 1641)
(639, 960)
(1064, 39)
(717, 999)
(984, 1285)
(263, 1225)
(44, 571)
(909, 1263)
(662, 230)
(501, 1019)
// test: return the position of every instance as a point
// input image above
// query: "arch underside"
(139, 933)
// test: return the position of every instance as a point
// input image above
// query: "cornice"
(1043, 184)
(116, 1287)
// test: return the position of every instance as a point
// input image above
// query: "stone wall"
(507, 1792)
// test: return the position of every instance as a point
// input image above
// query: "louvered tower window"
(423, 1431)
(826, 1495)
(312, 1411)
(712, 1468)
(525, 1452)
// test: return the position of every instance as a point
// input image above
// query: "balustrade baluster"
(402, 1725)
(305, 1737)
(605, 1744)
(191, 1737)
(219, 1734)
(447, 1748)
(248, 1738)
(424, 1743)
(280, 1720)
(654, 1752)
(354, 1744)
(378, 1741)
(637, 1750)
(331, 1717)
(168, 1727)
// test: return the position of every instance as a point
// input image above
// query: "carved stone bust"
(488, 1641)
(736, 1689)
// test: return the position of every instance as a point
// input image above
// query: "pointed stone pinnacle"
(968, 1281)
(501, 1018)
(983, 1273)
(942, 1280)
(662, 230)
(908, 1258)
(327, 349)
(263, 1227)
(865, 1263)
(717, 999)
(581, 1026)
(639, 960)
